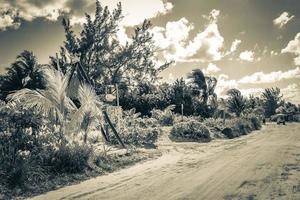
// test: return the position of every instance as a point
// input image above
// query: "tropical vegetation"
(57, 124)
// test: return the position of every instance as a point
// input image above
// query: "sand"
(262, 165)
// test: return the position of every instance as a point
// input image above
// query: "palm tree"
(89, 110)
(23, 73)
(212, 99)
(54, 102)
(271, 98)
(198, 84)
(236, 103)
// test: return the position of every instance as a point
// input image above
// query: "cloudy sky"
(246, 44)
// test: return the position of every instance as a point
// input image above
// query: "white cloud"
(8, 17)
(213, 16)
(292, 93)
(208, 43)
(211, 68)
(133, 10)
(247, 56)
(294, 47)
(173, 41)
(122, 36)
(7, 21)
(261, 77)
(235, 45)
(282, 20)
(224, 84)
(251, 91)
(30, 10)
(273, 53)
(171, 78)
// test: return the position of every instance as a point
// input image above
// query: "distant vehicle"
(280, 118)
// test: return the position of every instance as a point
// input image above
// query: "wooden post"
(182, 104)
(182, 112)
(117, 95)
(104, 134)
(113, 129)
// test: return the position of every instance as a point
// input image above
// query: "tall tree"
(236, 103)
(271, 99)
(198, 85)
(181, 93)
(102, 57)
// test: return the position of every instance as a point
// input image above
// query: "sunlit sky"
(246, 44)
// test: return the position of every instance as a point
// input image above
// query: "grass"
(103, 164)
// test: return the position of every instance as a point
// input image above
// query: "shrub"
(256, 122)
(135, 130)
(190, 131)
(228, 132)
(179, 118)
(165, 117)
(137, 136)
(241, 126)
(19, 136)
(71, 158)
(217, 124)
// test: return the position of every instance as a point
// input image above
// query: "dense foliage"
(23, 73)
(54, 121)
(190, 131)
(271, 98)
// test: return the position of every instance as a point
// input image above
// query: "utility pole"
(182, 104)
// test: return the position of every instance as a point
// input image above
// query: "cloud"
(261, 77)
(213, 16)
(30, 10)
(9, 18)
(133, 10)
(252, 91)
(174, 43)
(292, 93)
(171, 78)
(235, 45)
(273, 53)
(294, 47)
(282, 20)
(211, 69)
(247, 56)
(224, 84)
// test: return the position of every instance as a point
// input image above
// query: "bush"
(217, 124)
(256, 122)
(71, 158)
(19, 137)
(143, 103)
(180, 118)
(190, 131)
(135, 130)
(137, 136)
(165, 117)
(241, 126)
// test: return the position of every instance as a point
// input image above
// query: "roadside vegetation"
(58, 126)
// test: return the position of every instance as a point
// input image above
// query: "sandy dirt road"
(262, 165)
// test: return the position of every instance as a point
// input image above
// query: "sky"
(245, 44)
